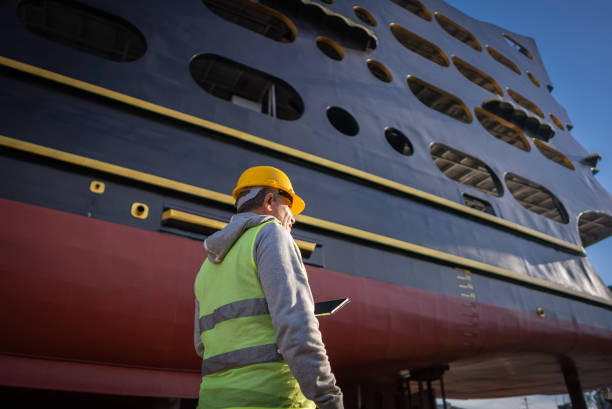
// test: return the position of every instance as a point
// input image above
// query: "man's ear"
(267, 202)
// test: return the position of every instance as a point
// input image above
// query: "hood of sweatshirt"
(218, 244)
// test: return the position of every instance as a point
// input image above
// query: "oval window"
(557, 122)
(246, 87)
(465, 169)
(525, 103)
(439, 100)
(517, 46)
(330, 48)
(83, 28)
(255, 17)
(502, 129)
(533, 79)
(477, 77)
(553, 154)
(342, 121)
(536, 198)
(478, 204)
(506, 62)
(458, 32)
(365, 16)
(379, 71)
(317, 19)
(398, 141)
(419, 45)
(415, 7)
(531, 125)
(593, 227)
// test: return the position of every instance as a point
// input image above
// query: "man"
(255, 325)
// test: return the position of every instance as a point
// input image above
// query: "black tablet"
(323, 308)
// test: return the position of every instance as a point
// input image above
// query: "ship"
(446, 196)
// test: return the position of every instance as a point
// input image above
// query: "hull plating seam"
(440, 256)
(294, 153)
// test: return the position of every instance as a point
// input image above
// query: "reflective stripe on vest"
(241, 357)
(236, 309)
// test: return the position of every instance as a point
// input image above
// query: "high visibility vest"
(241, 366)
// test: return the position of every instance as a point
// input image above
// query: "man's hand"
(287, 220)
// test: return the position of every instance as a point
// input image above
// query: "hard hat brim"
(297, 203)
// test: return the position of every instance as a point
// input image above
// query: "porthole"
(419, 45)
(246, 87)
(593, 227)
(533, 79)
(379, 71)
(84, 28)
(439, 100)
(525, 103)
(506, 62)
(536, 198)
(415, 7)
(330, 48)
(342, 121)
(557, 122)
(458, 32)
(477, 77)
(255, 17)
(502, 129)
(365, 16)
(553, 154)
(398, 141)
(465, 169)
(569, 127)
(517, 46)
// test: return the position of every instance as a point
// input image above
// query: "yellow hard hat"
(269, 176)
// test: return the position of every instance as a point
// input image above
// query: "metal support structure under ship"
(445, 195)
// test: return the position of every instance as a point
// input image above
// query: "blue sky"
(574, 40)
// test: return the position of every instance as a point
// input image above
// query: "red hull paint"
(102, 307)
(56, 374)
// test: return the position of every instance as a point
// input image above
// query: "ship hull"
(95, 306)
(117, 170)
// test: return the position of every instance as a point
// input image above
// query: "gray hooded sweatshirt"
(290, 303)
